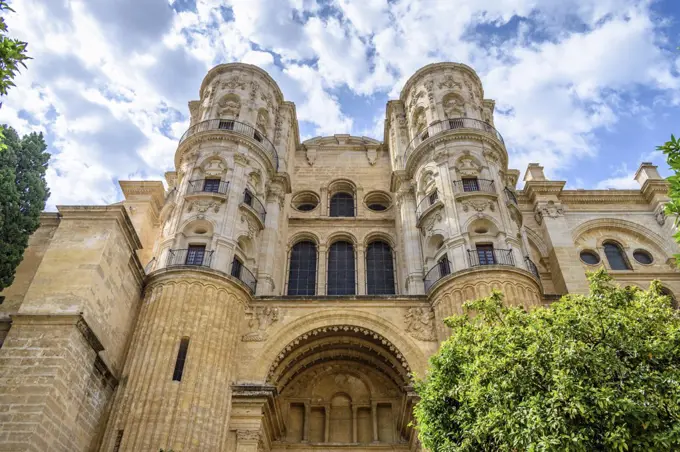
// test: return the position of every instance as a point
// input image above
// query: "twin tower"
(278, 295)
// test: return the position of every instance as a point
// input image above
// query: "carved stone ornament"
(453, 107)
(260, 320)
(215, 167)
(251, 228)
(467, 167)
(429, 87)
(255, 179)
(267, 99)
(234, 82)
(414, 100)
(372, 155)
(262, 122)
(204, 206)
(241, 159)
(420, 323)
(248, 435)
(276, 194)
(428, 227)
(311, 156)
(229, 107)
(253, 90)
(478, 206)
(449, 83)
(492, 156)
(660, 215)
(549, 209)
(419, 122)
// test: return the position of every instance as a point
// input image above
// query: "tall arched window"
(379, 269)
(302, 271)
(615, 256)
(341, 278)
(342, 205)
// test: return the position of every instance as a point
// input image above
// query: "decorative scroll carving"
(234, 82)
(414, 100)
(549, 209)
(204, 206)
(478, 206)
(429, 87)
(229, 106)
(260, 320)
(660, 215)
(420, 323)
(372, 156)
(241, 159)
(449, 83)
(311, 156)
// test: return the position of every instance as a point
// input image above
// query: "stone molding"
(199, 275)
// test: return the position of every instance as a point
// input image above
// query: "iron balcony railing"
(208, 186)
(490, 257)
(425, 203)
(241, 272)
(441, 269)
(450, 124)
(238, 127)
(510, 196)
(198, 257)
(478, 258)
(474, 185)
(532, 267)
(254, 203)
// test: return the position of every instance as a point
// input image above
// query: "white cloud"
(110, 81)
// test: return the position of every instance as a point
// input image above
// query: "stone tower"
(279, 295)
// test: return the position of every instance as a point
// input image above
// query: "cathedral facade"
(279, 295)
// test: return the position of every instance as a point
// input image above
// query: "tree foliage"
(23, 193)
(672, 151)
(12, 53)
(595, 372)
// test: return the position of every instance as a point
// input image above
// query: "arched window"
(342, 205)
(674, 302)
(341, 278)
(379, 269)
(302, 272)
(615, 256)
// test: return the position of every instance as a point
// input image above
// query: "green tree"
(597, 372)
(23, 192)
(12, 53)
(672, 151)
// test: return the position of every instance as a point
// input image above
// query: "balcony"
(451, 124)
(510, 197)
(474, 185)
(426, 203)
(240, 272)
(478, 259)
(237, 127)
(254, 206)
(194, 257)
(215, 186)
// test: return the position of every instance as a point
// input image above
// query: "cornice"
(342, 141)
(435, 67)
(336, 221)
(154, 189)
(653, 187)
(234, 67)
(49, 219)
(200, 275)
(535, 188)
(585, 197)
(113, 212)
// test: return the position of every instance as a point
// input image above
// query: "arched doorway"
(342, 385)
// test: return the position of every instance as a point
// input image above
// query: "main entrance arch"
(342, 386)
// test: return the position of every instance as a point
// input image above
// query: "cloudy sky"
(588, 88)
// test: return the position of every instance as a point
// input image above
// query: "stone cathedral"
(278, 295)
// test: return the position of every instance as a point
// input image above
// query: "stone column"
(413, 255)
(327, 423)
(306, 424)
(270, 237)
(374, 418)
(321, 271)
(361, 270)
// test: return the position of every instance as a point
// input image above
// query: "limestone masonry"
(278, 294)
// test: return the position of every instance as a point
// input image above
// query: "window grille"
(119, 441)
(444, 266)
(485, 254)
(195, 255)
(236, 266)
(470, 184)
(342, 205)
(617, 260)
(211, 185)
(181, 359)
(302, 269)
(379, 269)
(341, 276)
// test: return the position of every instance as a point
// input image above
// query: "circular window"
(305, 201)
(378, 201)
(590, 257)
(643, 257)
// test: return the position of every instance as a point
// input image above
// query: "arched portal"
(343, 385)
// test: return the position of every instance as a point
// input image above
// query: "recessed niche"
(378, 201)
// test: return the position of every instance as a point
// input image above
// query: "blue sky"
(587, 88)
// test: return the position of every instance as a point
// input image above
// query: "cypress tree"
(23, 193)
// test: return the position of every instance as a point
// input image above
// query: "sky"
(587, 88)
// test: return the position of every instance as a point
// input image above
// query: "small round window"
(643, 257)
(305, 201)
(590, 257)
(378, 201)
